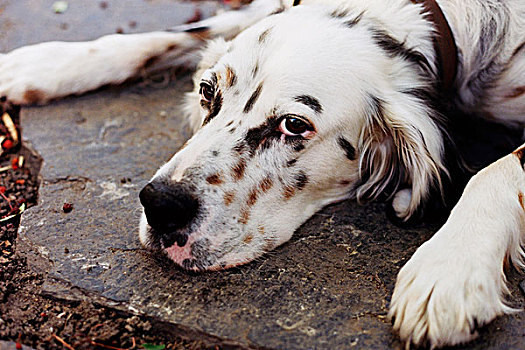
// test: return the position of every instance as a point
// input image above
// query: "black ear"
(400, 146)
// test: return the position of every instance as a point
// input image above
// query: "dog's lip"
(179, 249)
(180, 239)
(156, 242)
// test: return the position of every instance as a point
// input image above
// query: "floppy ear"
(400, 146)
(213, 51)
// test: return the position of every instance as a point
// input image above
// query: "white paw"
(39, 73)
(401, 202)
(444, 293)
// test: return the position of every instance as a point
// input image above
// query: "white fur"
(455, 281)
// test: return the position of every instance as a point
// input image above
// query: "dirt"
(27, 317)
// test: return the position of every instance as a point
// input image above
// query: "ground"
(79, 277)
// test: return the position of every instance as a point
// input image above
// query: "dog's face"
(285, 113)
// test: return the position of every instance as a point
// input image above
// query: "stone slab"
(25, 22)
(328, 288)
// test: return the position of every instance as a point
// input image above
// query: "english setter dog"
(300, 104)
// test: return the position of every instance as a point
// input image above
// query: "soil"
(28, 318)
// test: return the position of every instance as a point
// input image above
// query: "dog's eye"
(207, 92)
(293, 126)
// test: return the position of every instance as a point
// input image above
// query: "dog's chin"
(187, 259)
(145, 235)
(192, 256)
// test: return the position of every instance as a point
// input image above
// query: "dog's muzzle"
(168, 208)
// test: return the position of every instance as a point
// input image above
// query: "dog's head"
(303, 109)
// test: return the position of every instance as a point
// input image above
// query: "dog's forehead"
(295, 53)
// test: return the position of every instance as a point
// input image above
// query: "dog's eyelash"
(207, 91)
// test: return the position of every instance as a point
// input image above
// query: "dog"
(301, 104)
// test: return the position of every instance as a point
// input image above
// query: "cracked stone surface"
(328, 288)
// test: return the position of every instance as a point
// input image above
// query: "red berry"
(67, 207)
(18, 346)
(3, 189)
(7, 144)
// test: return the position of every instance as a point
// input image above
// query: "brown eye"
(293, 126)
(207, 92)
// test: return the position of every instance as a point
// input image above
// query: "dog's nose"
(168, 207)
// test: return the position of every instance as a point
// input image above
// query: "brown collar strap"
(444, 45)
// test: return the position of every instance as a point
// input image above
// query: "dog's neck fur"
(484, 46)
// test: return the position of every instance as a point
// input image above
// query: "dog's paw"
(444, 293)
(39, 73)
(401, 203)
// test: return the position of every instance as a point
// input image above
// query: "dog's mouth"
(196, 247)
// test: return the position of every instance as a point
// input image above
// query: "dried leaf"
(8, 122)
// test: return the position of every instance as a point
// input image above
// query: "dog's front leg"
(41, 72)
(455, 281)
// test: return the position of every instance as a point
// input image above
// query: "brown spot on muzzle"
(266, 184)
(34, 96)
(261, 230)
(245, 216)
(252, 197)
(238, 170)
(288, 192)
(520, 198)
(263, 187)
(214, 179)
(248, 238)
(228, 198)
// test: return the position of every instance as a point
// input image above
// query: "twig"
(63, 342)
(5, 168)
(106, 346)
(7, 200)
(20, 211)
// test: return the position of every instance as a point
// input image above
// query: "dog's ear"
(400, 147)
(213, 51)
